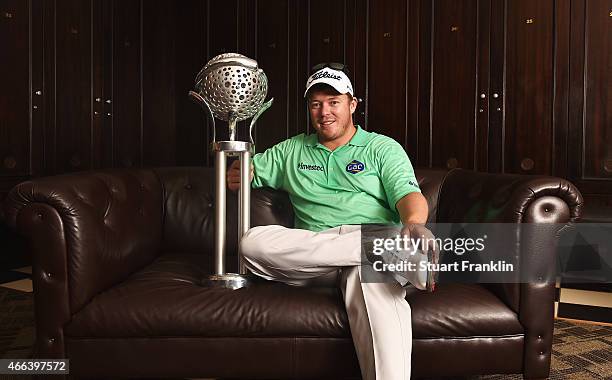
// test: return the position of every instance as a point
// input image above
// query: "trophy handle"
(198, 99)
(261, 110)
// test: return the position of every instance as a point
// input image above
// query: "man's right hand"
(233, 176)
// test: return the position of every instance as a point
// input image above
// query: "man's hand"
(233, 176)
(428, 245)
(416, 231)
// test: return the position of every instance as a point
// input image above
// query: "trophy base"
(228, 281)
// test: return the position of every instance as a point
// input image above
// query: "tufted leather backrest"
(189, 214)
(189, 197)
(188, 209)
(110, 225)
(430, 182)
(469, 196)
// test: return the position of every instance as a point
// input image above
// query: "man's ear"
(353, 104)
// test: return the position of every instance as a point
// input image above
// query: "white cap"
(335, 78)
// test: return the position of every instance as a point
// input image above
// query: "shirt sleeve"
(269, 166)
(397, 173)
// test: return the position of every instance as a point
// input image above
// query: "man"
(338, 179)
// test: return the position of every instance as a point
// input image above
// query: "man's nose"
(325, 109)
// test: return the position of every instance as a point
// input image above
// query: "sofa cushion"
(461, 310)
(165, 300)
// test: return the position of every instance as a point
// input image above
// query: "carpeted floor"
(580, 351)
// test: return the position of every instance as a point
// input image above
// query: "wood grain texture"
(158, 82)
(273, 58)
(493, 101)
(597, 127)
(454, 83)
(15, 103)
(529, 86)
(419, 79)
(72, 69)
(387, 68)
(126, 106)
(191, 39)
(495, 146)
(562, 88)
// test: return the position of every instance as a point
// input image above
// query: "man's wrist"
(412, 224)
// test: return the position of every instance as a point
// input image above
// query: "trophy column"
(223, 149)
(244, 202)
(220, 217)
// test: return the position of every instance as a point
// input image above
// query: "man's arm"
(413, 209)
(267, 168)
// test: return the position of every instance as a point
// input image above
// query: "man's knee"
(253, 243)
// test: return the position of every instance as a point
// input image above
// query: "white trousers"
(379, 316)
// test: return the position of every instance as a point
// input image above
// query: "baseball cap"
(335, 78)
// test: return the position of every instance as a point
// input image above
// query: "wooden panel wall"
(15, 73)
(387, 42)
(453, 80)
(590, 105)
(497, 85)
(597, 127)
(529, 73)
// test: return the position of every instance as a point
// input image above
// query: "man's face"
(330, 114)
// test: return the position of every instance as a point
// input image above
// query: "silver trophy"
(232, 88)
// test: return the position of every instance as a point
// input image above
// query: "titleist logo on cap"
(324, 74)
(334, 78)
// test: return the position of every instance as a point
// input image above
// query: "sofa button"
(540, 337)
(51, 340)
(188, 186)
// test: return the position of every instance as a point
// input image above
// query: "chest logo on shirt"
(303, 166)
(355, 167)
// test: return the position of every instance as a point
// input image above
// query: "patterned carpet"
(580, 351)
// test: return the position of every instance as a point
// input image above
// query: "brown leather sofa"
(118, 257)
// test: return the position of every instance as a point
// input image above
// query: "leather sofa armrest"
(474, 197)
(85, 232)
(43, 227)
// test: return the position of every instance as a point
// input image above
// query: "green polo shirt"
(357, 183)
